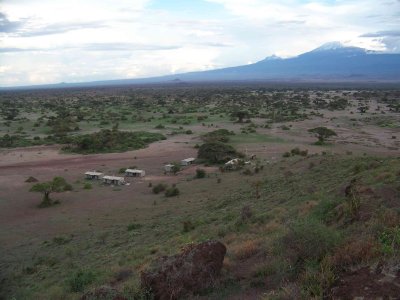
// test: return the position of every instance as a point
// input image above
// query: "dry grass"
(271, 226)
(354, 252)
(246, 249)
(306, 207)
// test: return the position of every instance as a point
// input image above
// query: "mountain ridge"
(329, 62)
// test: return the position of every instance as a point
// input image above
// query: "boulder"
(194, 269)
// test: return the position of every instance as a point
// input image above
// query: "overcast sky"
(51, 41)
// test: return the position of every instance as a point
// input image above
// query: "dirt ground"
(23, 224)
(18, 212)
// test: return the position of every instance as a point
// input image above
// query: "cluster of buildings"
(114, 180)
(119, 180)
(184, 162)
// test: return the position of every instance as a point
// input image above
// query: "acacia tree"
(241, 114)
(58, 184)
(322, 133)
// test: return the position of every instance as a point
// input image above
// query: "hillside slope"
(320, 224)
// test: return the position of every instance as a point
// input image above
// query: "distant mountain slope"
(330, 62)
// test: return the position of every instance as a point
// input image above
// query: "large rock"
(194, 269)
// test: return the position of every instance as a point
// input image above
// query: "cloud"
(212, 44)
(8, 26)
(126, 47)
(57, 29)
(97, 47)
(388, 33)
(10, 50)
(73, 40)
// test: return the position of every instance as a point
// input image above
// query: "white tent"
(187, 161)
(114, 180)
(93, 175)
(135, 173)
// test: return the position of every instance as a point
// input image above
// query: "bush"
(112, 141)
(247, 172)
(159, 188)
(187, 226)
(355, 251)
(172, 192)
(68, 187)
(390, 241)
(216, 152)
(219, 135)
(309, 239)
(87, 186)
(200, 173)
(134, 226)
(80, 280)
(295, 151)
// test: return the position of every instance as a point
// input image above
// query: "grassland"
(295, 227)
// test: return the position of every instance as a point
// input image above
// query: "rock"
(194, 269)
(103, 293)
(31, 179)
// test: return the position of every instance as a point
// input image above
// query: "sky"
(52, 41)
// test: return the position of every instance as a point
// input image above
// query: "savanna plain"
(308, 206)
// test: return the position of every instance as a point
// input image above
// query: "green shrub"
(187, 226)
(390, 240)
(68, 187)
(159, 188)
(295, 151)
(134, 226)
(87, 186)
(325, 210)
(309, 239)
(219, 135)
(78, 281)
(200, 173)
(61, 240)
(217, 152)
(111, 141)
(172, 192)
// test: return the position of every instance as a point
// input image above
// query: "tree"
(58, 184)
(241, 114)
(363, 109)
(217, 152)
(175, 168)
(322, 133)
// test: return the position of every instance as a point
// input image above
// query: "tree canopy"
(58, 184)
(322, 133)
(216, 152)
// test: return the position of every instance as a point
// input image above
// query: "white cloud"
(46, 41)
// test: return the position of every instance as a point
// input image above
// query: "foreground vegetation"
(296, 219)
(314, 219)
